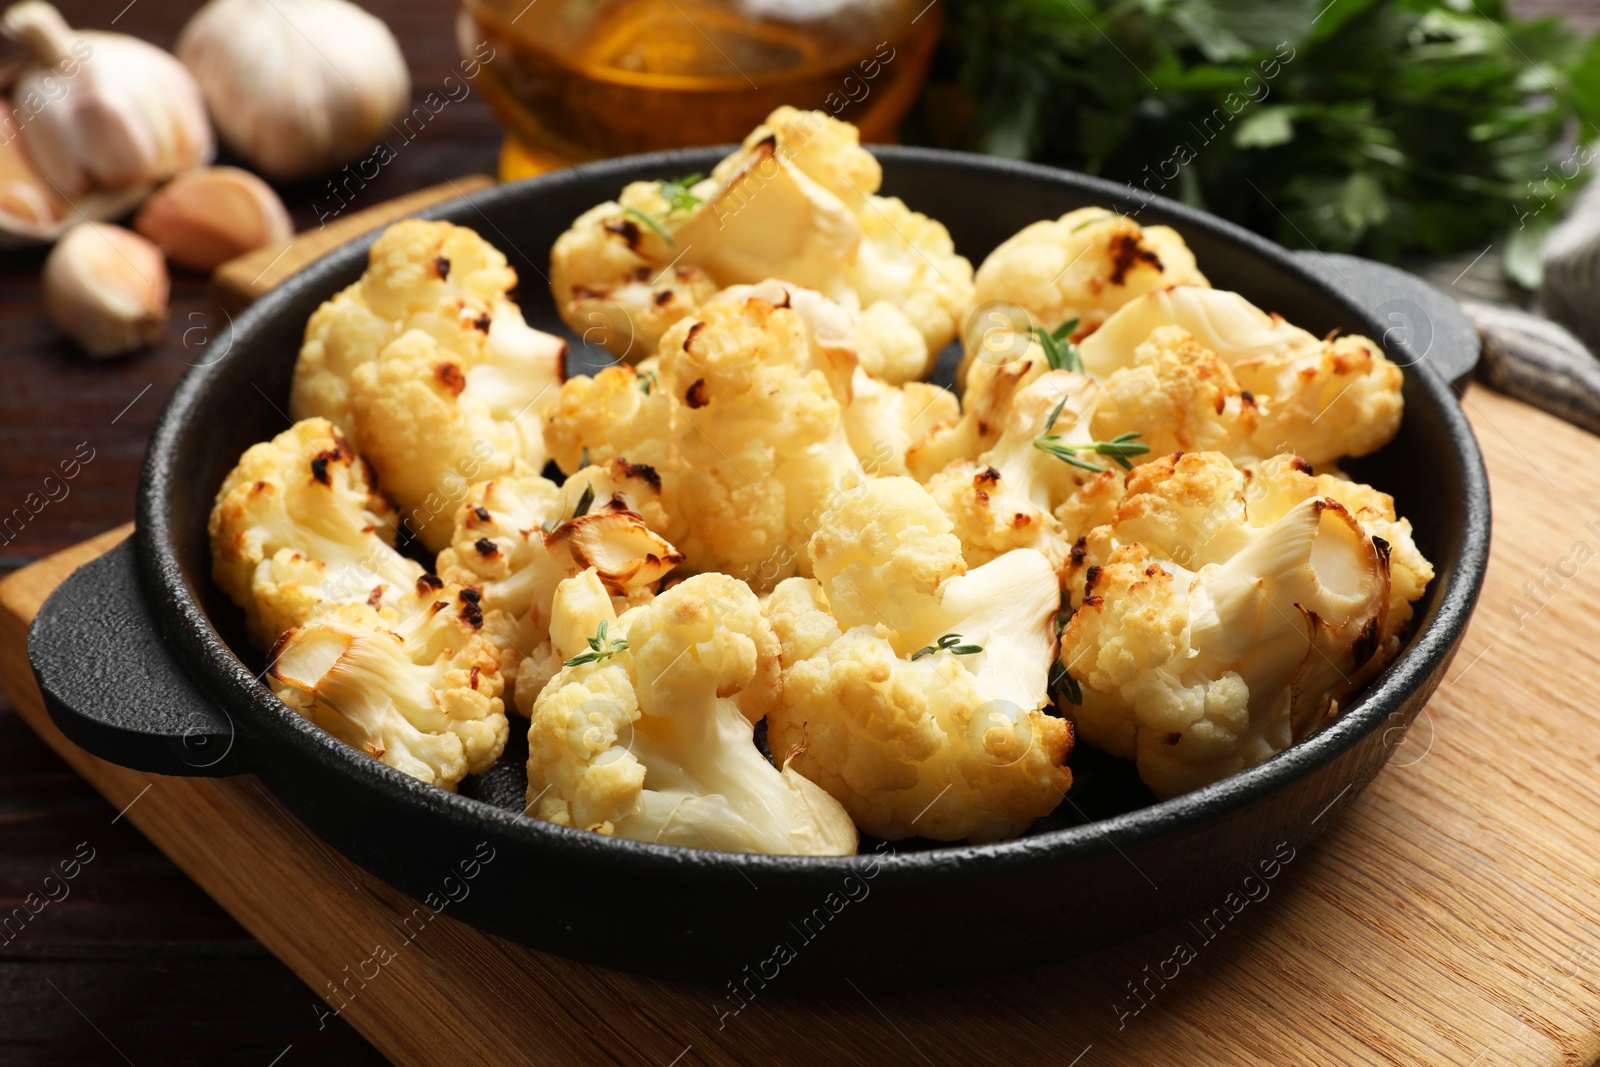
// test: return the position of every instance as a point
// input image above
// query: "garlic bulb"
(106, 288)
(113, 112)
(31, 211)
(205, 217)
(297, 87)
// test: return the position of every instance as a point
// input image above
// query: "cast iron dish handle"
(1422, 325)
(114, 687)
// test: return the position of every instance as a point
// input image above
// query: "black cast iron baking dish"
(133, 654)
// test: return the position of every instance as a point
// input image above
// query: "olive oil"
(574, 80)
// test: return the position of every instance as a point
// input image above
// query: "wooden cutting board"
(1451, 916)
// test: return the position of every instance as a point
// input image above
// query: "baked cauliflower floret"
(881, 552)
(619, 412)
(1187, 507)
(1198, 674)
(1281, 482)
(761, 439)
(298, 524)
(882, 420)
(991, 384)
(431, 425)
(645, 738)
(1006, 498)
(1084, 265)
(421, 694)
(432, 276)
(517, 538)
(614, 278)
(1319, 398)
(1179, 397)
(739, 422)
(948, 742)
(907, 262)
(795, 201)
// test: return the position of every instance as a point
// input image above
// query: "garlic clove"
(28, 206)
(106, 288)
(205, 217)
(116, 112)
(297, 87)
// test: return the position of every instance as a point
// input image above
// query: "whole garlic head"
(130, 114)
(295, 86)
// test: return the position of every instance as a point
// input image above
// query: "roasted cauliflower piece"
(421, 694)
(1197, 673)
(1179, 397)
(1084, 266)
(643, 735)
(1280, 483)
(741, 425)
(518, 538)
(436, 277)
(913, 689)
(1006, 498)
(796, 201)
(1197, 508)
(431, 426)
(1318, 398)
(882, 420)
(298, 524)
(984, 403)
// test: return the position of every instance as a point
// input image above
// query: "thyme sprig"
(600, 647)
(661, 231)
(675, 191)
(1120, 450)
(1059, 351)
(950, 643)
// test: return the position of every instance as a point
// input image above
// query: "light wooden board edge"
(240, 282)
(1452, 916)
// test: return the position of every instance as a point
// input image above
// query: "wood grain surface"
(1451, 916)
(136, 946)
(240, 282)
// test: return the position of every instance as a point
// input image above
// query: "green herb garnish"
(675, 191)
(948, 643)
(647, 381)
(1065, 685)
(585, 502)
(661, 231)
(1059, 351)
(1120, 449)
(600, 647)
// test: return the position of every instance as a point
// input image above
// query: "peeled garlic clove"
(106, 288)
(206, 217)
(116, 112)
(296, 86)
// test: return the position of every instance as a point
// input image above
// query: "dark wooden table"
(133, 965)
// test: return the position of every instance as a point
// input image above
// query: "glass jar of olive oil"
(574, 80)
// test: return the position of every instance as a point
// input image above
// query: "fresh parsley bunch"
(1382, 127)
